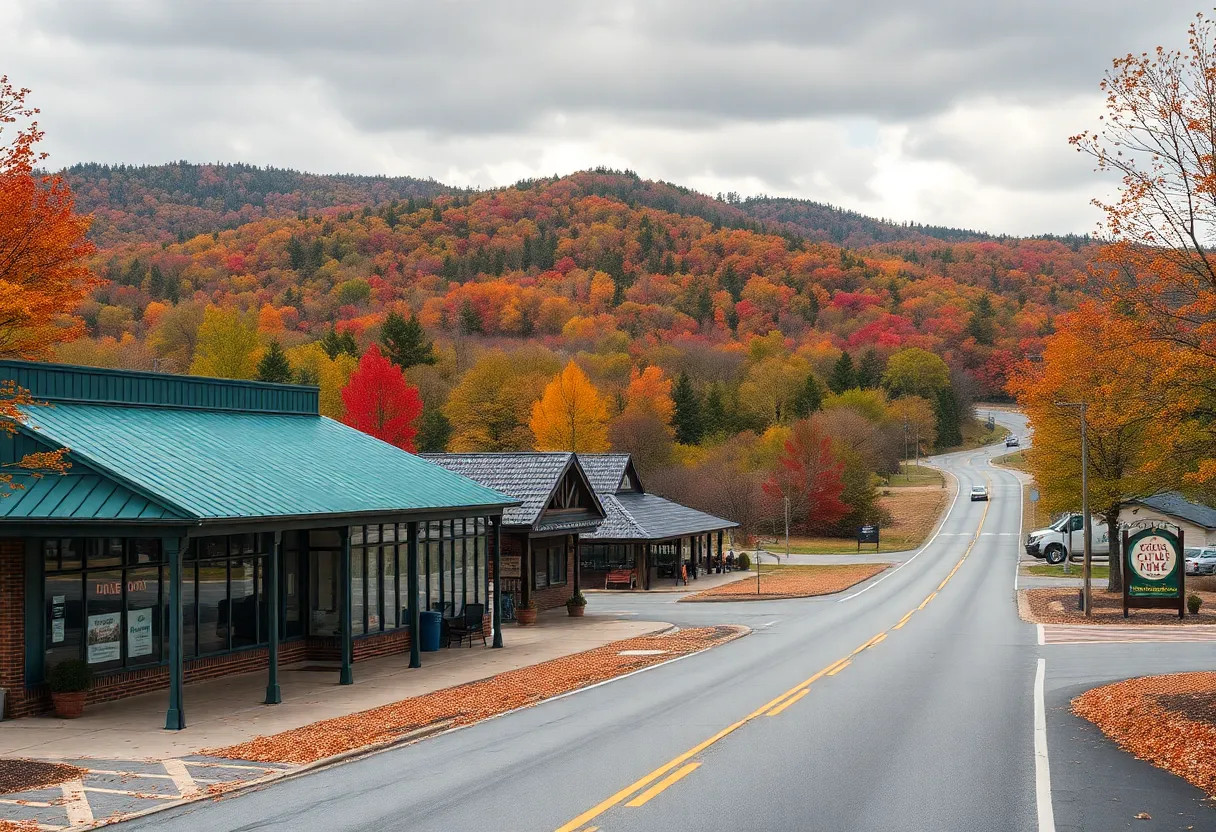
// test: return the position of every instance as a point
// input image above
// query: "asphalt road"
(930, 727)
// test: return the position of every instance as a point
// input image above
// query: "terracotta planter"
(525, 617)
(576, 610)
(69, 705)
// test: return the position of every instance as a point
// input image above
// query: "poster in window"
(510, 566)
(139, 632)
(105, 632)
(59, 608)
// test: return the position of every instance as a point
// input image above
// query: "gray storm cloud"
(889, 107)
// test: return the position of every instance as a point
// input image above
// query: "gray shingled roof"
(633, 516)
(529, 477)
(604, 470)
(639, 516)
(1175, 505)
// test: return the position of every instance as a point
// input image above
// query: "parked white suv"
(1066, 537)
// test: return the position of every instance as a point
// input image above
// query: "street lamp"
(1087, 595)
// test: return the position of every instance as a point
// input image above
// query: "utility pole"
(906, 472)
(918, 446)
(1087, 592)
(787, 529)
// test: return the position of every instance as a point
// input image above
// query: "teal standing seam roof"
(209, 465)
(76, 496)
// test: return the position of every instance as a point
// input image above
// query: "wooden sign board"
(511, 566)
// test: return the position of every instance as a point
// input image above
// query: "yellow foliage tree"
(489, 407)
(571, 415)
(227, 345)
(311, 364)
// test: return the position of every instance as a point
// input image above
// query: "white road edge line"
(928, 543)
(1017, 557)
(1042, 770)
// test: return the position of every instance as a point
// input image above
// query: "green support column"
(497, 521)
(577, 584)
(175, 718)
(273, 695)
(347, 676)
(412, 590)
(721, 559)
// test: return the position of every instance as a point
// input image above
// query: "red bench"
(621, 576)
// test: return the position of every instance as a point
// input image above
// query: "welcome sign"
(1153, 573)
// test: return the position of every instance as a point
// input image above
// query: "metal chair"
(471, 626)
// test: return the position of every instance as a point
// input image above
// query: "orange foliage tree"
(43, 275)
(380, 402)
(1104, 361)
(1159, 136)
(571, 415)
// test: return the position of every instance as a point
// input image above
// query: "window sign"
(104, 637)
(59, 609)
(139, 632)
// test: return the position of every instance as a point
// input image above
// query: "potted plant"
(69, 681)
(577, 605)
(525, 614)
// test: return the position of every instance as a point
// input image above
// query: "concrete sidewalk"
(227, 711)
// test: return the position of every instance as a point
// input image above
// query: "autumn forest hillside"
(748, 315)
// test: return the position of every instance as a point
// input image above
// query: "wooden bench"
(621, 576)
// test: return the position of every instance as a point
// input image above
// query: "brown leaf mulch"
(1165, 720)
(18, 775)
(1058, 605)
(798, 582)
(466, 704)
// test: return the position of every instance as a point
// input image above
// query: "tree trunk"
(1115, 535)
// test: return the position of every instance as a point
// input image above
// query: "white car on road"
(979, 492)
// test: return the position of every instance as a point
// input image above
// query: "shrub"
(743, 561)
(1193, 603)
(577, 600)
(71, 676)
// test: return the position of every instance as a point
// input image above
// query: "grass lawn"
(1046, 570)
(976, 435)
(1015, 460)
(914, 509)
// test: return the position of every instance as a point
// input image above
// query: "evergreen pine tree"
(347, 344)
(434, 432)
(331, 343)
(949, 421)
(843, 376)
(274, 365)
(470, 319)
(405, 343)
(716, 421)
(689, 420)
(809, 398)
(869, 370)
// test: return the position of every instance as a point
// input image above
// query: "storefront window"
(604, 557)
(99, 611)
(548, 563)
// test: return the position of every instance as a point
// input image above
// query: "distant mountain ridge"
(175, 201)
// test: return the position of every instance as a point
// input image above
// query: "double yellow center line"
(678, 768)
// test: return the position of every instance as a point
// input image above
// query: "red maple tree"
(810, 475)
(380, 402)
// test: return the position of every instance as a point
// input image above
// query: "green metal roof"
(213, 465)
(78, 496)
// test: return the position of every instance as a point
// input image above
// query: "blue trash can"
(430, 623)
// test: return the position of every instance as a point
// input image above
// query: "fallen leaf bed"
(1166, 720)
(1058, 605)
(798, 582)
(18, 775)
(466, 704)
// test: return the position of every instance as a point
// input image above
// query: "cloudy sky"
(952, 112)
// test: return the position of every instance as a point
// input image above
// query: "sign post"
(867, 534)
(1154, 572)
